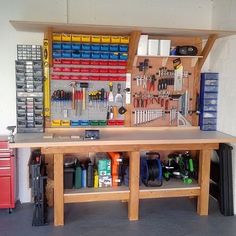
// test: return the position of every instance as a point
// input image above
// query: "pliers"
(151, 85)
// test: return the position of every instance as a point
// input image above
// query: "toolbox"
(208, 101)
(7, 175)
(29, 90)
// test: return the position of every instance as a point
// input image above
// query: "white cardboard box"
(165, 47)
(143, 45)
(153, 47)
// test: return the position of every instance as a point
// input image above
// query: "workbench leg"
(134, 166)
(203, 180)
(58, 190)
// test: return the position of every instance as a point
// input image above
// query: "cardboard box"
(105, 181)
(153, 47)
(143, 45)
(165, 47)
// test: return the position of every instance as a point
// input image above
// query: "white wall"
(159, 13)
(222, 60)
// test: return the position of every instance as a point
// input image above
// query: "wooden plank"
(33, 26)
(96, 196)
(204, 179)
(133, 45)
(133, 205)
(123, 148)
(133, 138)
(174, 192)
(58, 190)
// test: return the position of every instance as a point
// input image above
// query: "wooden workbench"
(133, 141)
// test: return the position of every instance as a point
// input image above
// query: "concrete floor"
(162, 217)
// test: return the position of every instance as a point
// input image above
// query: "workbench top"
(122, 136)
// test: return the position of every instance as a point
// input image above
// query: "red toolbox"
(7, 175)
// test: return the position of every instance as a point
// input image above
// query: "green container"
(104, 167)
(78, 177)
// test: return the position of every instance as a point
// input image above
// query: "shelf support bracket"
(133, 45)
(206, 50)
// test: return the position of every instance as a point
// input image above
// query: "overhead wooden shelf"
(31, 26)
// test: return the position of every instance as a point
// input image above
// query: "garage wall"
(159, 13)
(222, 60)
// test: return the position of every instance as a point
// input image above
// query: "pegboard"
(162, 95)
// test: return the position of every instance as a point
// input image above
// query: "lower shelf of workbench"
(172, 188)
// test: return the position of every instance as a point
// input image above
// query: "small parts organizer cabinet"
(7, 175)
(208, 101)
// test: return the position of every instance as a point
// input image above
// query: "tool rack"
(132, 139)
(98, 57)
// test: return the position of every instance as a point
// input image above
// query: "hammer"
(84, 85)
(73, 85)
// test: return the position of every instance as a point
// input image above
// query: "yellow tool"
(46, 78)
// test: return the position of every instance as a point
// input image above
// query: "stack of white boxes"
(153, 47)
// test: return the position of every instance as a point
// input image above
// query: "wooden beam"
(133, 45)
(123, 148)
(162, 193)
(206, 50)
(96, 196)
(204, 179)
(134, 161)
(58, 190)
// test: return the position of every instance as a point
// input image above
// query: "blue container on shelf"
(74, 123)
(84, 122)
(114, 55)
(66, 46)
(76, 54)
(123, 48)
(104, 55)
(85, 55)
(123, 56)
(95, 47)
(104, 47)
(56, 54)
(208, 101)
(85, 47)
(114, 47)
(75, 46)
(56, 46)
(95, 55)
(66, 54)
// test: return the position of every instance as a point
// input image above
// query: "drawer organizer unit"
(29, 93)
(7, 176)
(208, 101)
(88, 77)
